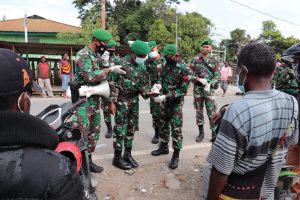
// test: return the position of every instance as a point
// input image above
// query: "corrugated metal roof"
(37, 24)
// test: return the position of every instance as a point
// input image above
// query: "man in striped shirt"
(252, 126)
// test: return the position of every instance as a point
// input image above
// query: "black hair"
(7, 101)
(258, 58)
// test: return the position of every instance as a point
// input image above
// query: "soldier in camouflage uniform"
(284, 79)
(88, 72)
(129, 86)
(205, 67)
(105, 103)
(154, 67)
(174, 88)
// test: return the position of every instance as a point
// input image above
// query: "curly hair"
(259, 59)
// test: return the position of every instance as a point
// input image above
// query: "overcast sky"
(224, 14)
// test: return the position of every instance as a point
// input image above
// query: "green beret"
(170, 49)
(111, 43)
(140, 48)
(102, 35)
(152, 44)
(206, 41)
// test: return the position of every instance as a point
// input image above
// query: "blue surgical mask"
(153, 54)
(139, 60)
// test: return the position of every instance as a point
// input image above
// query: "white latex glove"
(202, 80)
(160, 98)
(117, 69)
(207, 87)
(156, 88)
(105, 58)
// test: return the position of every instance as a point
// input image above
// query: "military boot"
(163, 149)
(200, 137)
(175, 158)
(128, 158)
(155, 139)
(93, 167)
(119, 162)
(109, 130)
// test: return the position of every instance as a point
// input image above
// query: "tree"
(272, 36)
(192, 29)
(238, 39)
(160, 33)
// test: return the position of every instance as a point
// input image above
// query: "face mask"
(139, 60)
(101, 48)
(241, 78)
(295, 66)
(153, 54)
(19, 99)
(171, 62)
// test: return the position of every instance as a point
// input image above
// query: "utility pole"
(25, 27)
(176, 18)
(103, 13)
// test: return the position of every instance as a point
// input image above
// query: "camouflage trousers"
(155, 112)
(106, 113)
(171, 115)
(211, 106)
(88, 119)
(125, 123)
(136, 113)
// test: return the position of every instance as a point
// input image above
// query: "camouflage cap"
(170, 49)
(152, 44)
(111, 43)
(140, 48)
(206, 41)
(102, 35)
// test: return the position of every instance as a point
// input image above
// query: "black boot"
(155, 139)
(128, 158)
(200, 137)
(175, 158)
(109, 131)
(163, 149)
(119, 162)
(93, 167)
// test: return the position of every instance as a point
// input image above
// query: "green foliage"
(238, 39)
(272, 36)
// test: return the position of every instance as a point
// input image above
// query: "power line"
(264, 13)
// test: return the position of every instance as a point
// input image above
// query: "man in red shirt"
(44, 74)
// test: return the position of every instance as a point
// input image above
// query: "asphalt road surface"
(142, 141)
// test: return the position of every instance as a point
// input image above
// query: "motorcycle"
(72, 144)
(285, 181)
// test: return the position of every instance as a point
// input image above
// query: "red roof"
(37, 24)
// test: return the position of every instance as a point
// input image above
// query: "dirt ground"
(154, 180)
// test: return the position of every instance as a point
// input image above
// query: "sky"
(224, 14)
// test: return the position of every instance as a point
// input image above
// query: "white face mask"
(19, 99)
(153, 54)
(139, 60)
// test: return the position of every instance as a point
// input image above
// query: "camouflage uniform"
(207, 69)
(105, 102)
(154, 68)
(285, 81)
(88, 72)
(129, 86)
(175, 87)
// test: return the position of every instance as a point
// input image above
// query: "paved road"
(143, 136)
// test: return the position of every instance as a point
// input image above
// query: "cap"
(15, 76)
(206, 41)
(152, 44)
(111, 43)
(140, 48)
(170, 49)
(102, 35)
